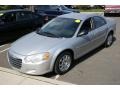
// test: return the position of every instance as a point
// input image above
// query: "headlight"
(36, 58)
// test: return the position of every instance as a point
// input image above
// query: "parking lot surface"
(101, 66)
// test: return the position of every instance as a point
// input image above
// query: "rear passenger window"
(23, 16)
(98, 21)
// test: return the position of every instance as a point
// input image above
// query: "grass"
(92, 10)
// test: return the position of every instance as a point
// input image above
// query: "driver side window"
(86, 26)
(9, 18)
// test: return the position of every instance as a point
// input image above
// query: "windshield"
(60, 27)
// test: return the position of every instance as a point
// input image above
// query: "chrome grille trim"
(15, 62)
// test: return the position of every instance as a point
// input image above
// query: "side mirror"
(84, 32)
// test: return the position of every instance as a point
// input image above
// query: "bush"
(5, 7)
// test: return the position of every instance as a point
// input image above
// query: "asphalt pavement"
(101, 66)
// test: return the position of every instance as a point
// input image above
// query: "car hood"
(34, 43)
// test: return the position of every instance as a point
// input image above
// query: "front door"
(84, 38)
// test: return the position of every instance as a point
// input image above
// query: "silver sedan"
(62, 40)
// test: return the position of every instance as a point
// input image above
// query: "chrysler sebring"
(60, 41)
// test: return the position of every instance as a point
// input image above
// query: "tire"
(109, 40)
(105, 14)
(60, 63)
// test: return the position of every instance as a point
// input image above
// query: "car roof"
(81, 16)
(12, 10)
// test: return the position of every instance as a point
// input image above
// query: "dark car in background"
(48, 12)
(63, 7)
(15, 23)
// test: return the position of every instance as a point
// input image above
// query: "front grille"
(15, 62)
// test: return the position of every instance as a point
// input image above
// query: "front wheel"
(63, 63)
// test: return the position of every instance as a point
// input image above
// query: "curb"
(38, 78)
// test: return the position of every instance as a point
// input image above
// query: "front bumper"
(33, 69)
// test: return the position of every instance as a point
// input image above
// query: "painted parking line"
(4, 50)
(56, 77)
(2, 45)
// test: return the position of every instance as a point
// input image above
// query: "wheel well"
(68, 50)
(111, 31)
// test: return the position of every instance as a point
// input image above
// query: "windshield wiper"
(51, 34)
(48, 34)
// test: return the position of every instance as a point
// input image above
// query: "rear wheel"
(109, 40)
(63, 63)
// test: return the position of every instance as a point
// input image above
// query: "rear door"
(24, 19)
(100, 30)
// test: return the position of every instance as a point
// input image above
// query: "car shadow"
(90, 54)
(7, 42)
(81, 59)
